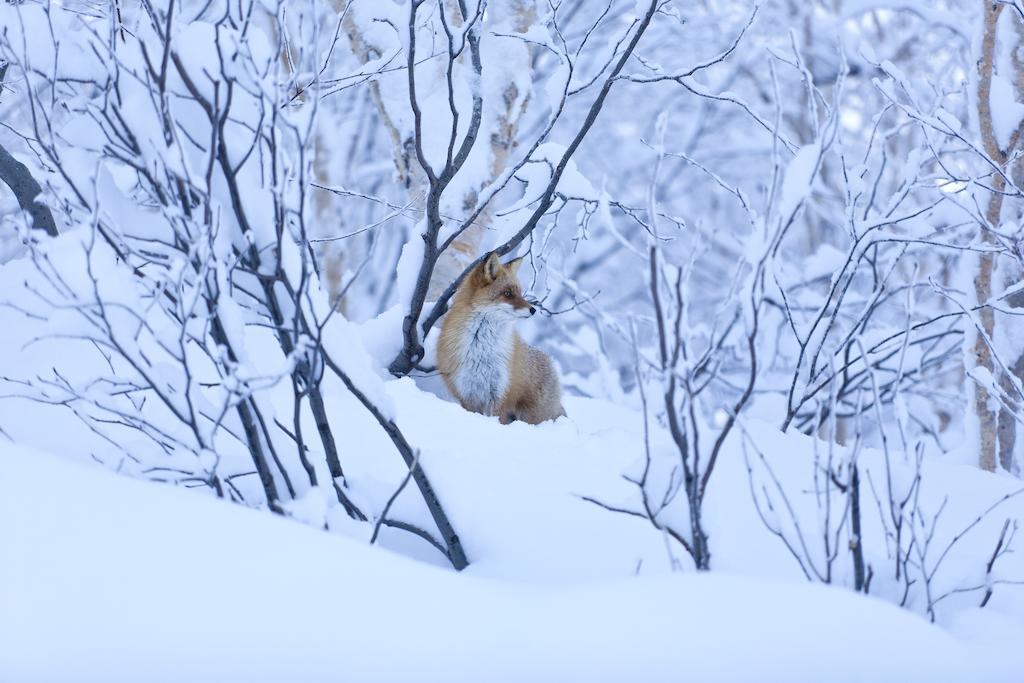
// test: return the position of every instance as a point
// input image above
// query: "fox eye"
(507, 294)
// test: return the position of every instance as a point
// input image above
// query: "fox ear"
(513, 265)
(491, 267)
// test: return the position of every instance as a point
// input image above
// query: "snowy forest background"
(778, 250)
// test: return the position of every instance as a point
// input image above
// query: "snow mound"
(109, 579)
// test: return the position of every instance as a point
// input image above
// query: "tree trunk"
(986, 416)
(1008, 458)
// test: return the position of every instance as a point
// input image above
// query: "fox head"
(493, 288)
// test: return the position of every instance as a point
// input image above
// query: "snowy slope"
(109, 579)
(120, 580)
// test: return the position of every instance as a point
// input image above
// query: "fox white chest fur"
(483, 351)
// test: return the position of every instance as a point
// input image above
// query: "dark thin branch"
(25, 188)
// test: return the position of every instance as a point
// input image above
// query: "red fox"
(484, 362)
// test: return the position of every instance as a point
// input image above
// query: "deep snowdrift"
(109, 579)
(103, 578)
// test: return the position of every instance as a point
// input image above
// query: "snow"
(1007, 112)
(139, 581)
(129, 581)
(826, 261)
(797, 183)
(535, 176)
(409, 264)
(934, 15)
(134, 580)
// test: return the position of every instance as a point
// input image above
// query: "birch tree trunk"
(1009, 458)
(990, 422)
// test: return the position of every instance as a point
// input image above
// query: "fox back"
(484, 362)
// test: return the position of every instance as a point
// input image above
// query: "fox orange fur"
(484, 362)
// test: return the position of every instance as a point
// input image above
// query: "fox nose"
(532, 310)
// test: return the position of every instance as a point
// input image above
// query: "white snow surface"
(103, 578)
(1007, 112)
(108, 579)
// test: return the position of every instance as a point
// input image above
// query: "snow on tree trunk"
(506, 94)
(501, 123)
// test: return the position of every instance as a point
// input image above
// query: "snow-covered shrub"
(182, 155)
